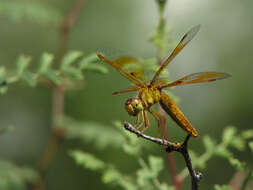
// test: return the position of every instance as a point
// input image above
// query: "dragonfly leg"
(138, 118)
(158, 117)
(146, 121)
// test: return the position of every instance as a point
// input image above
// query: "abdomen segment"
(176, 114)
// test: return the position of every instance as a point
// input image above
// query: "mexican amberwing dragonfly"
(150, 93)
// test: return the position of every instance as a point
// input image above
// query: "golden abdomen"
(149, 96)
(177, 115)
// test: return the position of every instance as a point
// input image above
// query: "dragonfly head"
(133, 106)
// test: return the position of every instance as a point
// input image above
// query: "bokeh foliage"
(91, 133)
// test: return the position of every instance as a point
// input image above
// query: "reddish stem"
(58, 94)
(177, 182)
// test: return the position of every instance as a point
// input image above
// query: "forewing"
(198, 78)
(124, 65)
(131, 66)
(160, 82)
(184, 41)
(131, 89)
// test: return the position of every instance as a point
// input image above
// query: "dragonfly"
(151, 92)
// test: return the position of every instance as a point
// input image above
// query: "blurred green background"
(223, 44)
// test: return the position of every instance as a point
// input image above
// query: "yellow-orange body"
(176, 114)
(151, 93)
(149, 96)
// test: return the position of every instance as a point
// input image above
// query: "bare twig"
(180, 147)
(58, 92)
(195, 176)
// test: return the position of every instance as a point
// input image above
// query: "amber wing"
(196, 78)
(184, 41)
(176, 114)
(131, 89)
(121, 62)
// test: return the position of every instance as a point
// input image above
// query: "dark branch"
(169, 147)
(195, 176)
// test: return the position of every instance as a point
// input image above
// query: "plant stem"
(246, 180)
(58, 92)
(171, 162)
(161, 31)
(240, 179)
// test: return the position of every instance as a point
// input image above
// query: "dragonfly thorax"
(149, 96)
(133, 106)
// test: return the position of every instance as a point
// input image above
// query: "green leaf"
(222, 187)
(131, 150)
(73, 73)
(228, 135)
(247, 134)
(164, 186)
(30, 78)
(144, 177)
(70, 58)
(132, 146)
(14, 177)
(96, 68)
(223, 152)
(156, 165)
(99, 135)
(45, 62)
(209, 144)
(148, 173)
(3, 80)
(68, 68)
(91, 63)
(151, 66)
(87, 160)
(236, 163)
(32, 11)
(200, 161)
(113, 176)
(238, 143)
(251, 146)
(28, 174)
(22, 72)
(52, 75)
(22, 64)
(89, 59)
